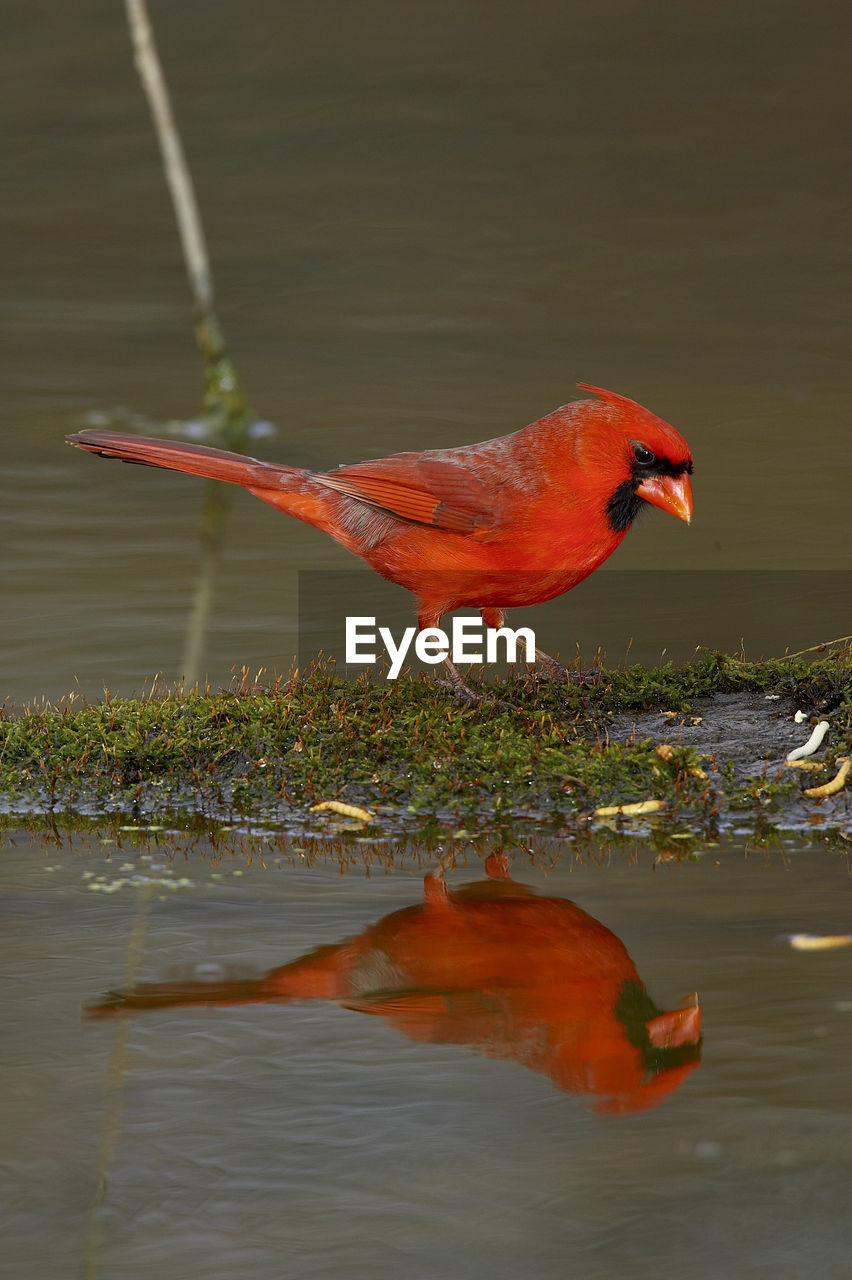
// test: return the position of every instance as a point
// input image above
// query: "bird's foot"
(497, 866)
(547, 668)
(585, 678)
(462, 690)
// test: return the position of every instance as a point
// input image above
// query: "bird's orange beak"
(669, 493)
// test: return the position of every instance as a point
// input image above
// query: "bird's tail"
(178, 995)
(321, 975)
(195, 459)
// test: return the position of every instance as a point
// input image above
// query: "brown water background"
(305, 1139)
(427, 224)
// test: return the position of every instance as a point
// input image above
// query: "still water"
(413, 1132)
(426, 225)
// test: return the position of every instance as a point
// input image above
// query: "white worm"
(800, 717)
(630, 810)
(837, 783)
(347, 810)
(818, 942)
(813, 742)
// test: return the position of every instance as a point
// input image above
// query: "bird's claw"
(547, 668)
(462, 690)
(464, 693)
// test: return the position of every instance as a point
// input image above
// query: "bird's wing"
(430, 491)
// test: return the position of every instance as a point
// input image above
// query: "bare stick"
(114, 1091)
(224, 406)
(174, 161)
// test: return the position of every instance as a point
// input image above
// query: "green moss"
(406, 746)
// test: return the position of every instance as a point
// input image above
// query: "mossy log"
(709, 739)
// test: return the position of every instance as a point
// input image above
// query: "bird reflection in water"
(495, 967)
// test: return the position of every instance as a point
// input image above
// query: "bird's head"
(643, 458)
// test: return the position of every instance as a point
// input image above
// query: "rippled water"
(310, 1138)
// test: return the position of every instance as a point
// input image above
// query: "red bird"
(508, 522)
(493, 966)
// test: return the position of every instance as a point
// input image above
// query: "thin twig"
(814, 648)
(786, 657)
(178, 176)
(114, 1087)
(224, 405)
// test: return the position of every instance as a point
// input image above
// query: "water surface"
(313, 1139)
(427, 224)
(426, 227)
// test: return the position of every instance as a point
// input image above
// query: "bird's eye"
(642, 454)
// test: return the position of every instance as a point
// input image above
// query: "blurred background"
(427, 223)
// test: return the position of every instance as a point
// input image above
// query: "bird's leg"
(549, 667)
(456, 681)
(493, 618)
(546, 666)
(462, 689)
(554, 670)
(459, 685)
(497, 866)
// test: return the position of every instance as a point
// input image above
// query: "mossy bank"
(409, 752)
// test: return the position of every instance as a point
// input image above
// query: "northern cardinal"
(511, 521)
(493, 966)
